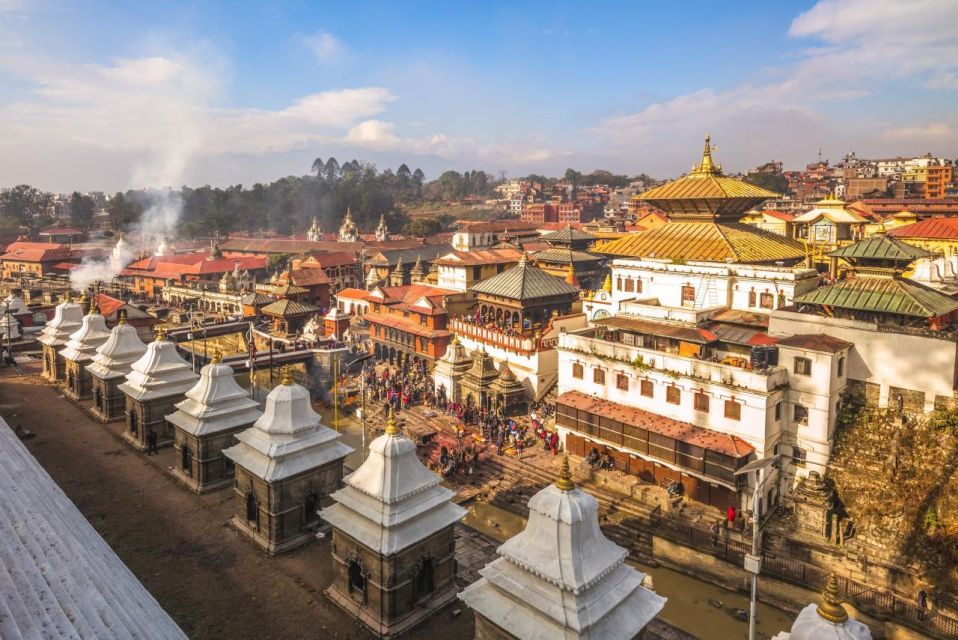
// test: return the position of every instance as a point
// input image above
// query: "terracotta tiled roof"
(931, 229)
(707, 242)
(306, 277)
(500, 225)
(191, 264)
(260, 245)
(410, 293)
(723, 443)
(404, 324)
(37, 252)
(330, 259)
(780, 215)
(352, 294)
(651, 327)
(479, 257)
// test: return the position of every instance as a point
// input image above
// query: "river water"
(688, 607)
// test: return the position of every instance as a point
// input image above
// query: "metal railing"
(880, 604)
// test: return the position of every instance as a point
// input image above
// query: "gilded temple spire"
(565, 483)
(391, 428)
(831, 608)
(707, 166)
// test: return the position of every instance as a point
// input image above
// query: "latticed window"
(577, 370)
(701, 402)
(629, 285)
(767, 301)
(688, 294)
(598, 376)
(673, 395)
(646, 388)
(803, 366)
(733, 410)
(622, 382)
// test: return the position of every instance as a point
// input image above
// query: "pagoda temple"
(67, 318)
(79, 351)
(110, 366)
(287, 465)
(827, 620)
(569, 251)
(393, 544)
(205, 423)
(156, 382)
(705, 209)
(561, 577)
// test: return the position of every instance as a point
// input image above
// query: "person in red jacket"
(730, 514)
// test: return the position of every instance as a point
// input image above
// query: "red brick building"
(37, 258)
(409, 323)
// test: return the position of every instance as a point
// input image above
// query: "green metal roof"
(881, 247)
(879, 294)
(568, 235)
(525, 282)
(565, 256)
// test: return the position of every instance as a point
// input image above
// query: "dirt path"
(214, 583)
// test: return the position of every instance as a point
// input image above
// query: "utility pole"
(335, 390)
(761, 471)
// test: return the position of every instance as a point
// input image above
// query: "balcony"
(676, 366)
(524, 343)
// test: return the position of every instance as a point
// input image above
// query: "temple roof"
(568, 235)
(706, 241)
(67, 318)
(881, 247)
(893, 295)
(84, 342)
(392, 500)
(288, 439)
(564, 255)
(525, 282)
(216, 403)
(706, 193)
(286, 307)
(159, 373)
(561, 577)
(115, 356)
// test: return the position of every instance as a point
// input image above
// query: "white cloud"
(324, 45)
(934, 131)
(863, 46)
(381, 136)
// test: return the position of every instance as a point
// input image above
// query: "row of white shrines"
(392, 522)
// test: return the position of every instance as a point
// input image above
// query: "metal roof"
(678, 332)
(932, 229)
(525, 282)
(881, 247)
(565, 256)
(284, 308)
(706, 241)
(882, 294)
(568, 235)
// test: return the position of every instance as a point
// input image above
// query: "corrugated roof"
(653, 328)
(525, 282)
(567, 235)
(816, 342)
(285, 307)
(722, 443)
(706, 241)
(559, 255)
(932, 229)
(881, 247)
(880, 294)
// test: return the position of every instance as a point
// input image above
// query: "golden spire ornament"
(161, 334)
(607, 285)
(217, 356)
(287, 376)
(831, 608)
(92, 308)
(122, 316)
(391, 428)
(565, 483)
(69, 296)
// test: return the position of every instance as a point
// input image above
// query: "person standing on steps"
(151, 443)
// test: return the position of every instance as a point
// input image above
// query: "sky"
(115, 95)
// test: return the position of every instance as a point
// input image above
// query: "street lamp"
(761, 472)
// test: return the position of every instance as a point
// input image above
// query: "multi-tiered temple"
(561, 577)
(156, 382)
(287, 465)
(393, 546)
(79, 352)
(110, 366)
(206, 422)
(67, 318)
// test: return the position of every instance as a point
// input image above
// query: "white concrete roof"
(115, 356)
(811, 626)
(8, 324)
(288, 439)
(67, 318)
(15, 304)
(562, 578)
(217, 403)
(84, 342)
(58, 577)
(159, 373)
(392, 500)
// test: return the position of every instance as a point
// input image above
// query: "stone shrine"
(67, 318)
(79, 351)
(393, 546)
(206, 422)
(156, 382)
(287, 465)
(561, 577)
(110, 366)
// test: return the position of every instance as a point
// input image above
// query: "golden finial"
(92, 308)
(122, 316)
(706, 166)
(564, 483)
(455, 339)
(607, 285)
(391, 428)
(831, 608)
(217, 356)
(287, 376)
(69, 296)
(161, 334)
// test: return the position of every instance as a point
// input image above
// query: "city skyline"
(101, 97)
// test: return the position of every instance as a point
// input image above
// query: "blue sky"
(99, 95)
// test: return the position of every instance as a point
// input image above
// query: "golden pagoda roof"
(706, 241)
(706, 193)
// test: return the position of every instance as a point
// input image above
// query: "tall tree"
(122, 211)
(331, 170)
(27, 205)
(319, 167)
(82, 210)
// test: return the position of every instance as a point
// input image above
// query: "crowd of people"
(400, 388)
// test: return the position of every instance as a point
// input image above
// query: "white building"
(110, 365)
(561, 577)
